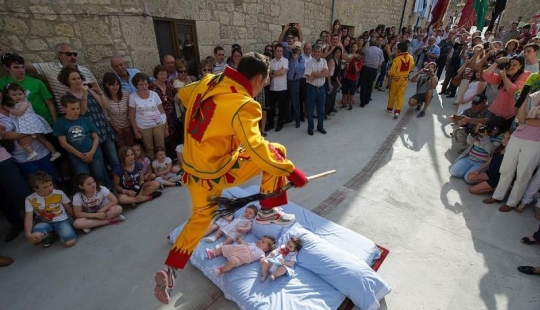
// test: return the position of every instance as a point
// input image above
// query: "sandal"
(505, 208)
(527, 240)
(521, 207)
(48, 240)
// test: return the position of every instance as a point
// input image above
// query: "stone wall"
(516, 8)
(99, 29)
(366, 15)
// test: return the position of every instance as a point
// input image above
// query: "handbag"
(457, 80)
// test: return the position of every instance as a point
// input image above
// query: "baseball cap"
(479, 99)
(297, 44)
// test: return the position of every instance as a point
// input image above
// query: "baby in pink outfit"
(242, 253)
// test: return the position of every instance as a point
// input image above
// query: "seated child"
(481, 145)
(487, 177)
(94, 205)
(139, 157)
(242, 253)
(237, 228)
(79, 136)
(27, 121)
(282, 260)
(49, 205)
(161, 167)
(179, 156)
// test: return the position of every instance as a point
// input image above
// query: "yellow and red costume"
(402, 65)
(223, 147)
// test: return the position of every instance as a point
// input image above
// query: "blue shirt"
(296, 68)
(373, 57)
(127, 85)
(78, 132)
(287, 52)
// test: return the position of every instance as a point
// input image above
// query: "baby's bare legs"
(265, 265)
(228, 266)
(211, 229)
(278, 273)
(25, 144)
(228, 240)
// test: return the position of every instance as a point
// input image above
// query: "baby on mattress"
(281, 260)
(237, 228)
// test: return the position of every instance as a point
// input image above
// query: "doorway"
(178, 38)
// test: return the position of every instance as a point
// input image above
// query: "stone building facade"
(99, 29)
(516, 8)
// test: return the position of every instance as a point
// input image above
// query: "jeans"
(13, 190)
(315, 98)
(382, 75)
(94, 168)
(464, 166)
(294, 91)
(63, 229)
(303, 94)
(43, 164)
(366, 84)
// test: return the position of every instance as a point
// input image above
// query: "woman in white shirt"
(147, 116)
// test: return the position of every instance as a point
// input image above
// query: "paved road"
(448, 250)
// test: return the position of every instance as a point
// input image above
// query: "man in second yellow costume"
(223, 147)
(398, 74)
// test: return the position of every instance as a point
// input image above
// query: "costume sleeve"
(245, 123)
(185, 93)
(395, 64)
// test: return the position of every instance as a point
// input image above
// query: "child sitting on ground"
(282, 260)
(49, 205)
(488, 175)
(161, 167)
(237, 228)
(27, 121)
(242, 253)
(94, 205)
(139, 156)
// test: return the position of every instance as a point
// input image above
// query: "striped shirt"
(373, 57)
(313, 65)
(51, 70)
(117, 112)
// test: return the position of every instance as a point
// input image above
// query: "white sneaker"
(274, 215)
(210, 239)
(396, 115)
(32, 156)
(55, 156)
(87, 230)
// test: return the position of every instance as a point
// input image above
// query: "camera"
(486, 45)
(503, 66)
(292, 24)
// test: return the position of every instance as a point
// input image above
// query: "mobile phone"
(292, 24)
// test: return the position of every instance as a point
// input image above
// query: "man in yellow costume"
(221, 115)
(398, 74)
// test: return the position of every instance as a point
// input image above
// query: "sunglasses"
(69, 54)
(7, 55)
(182, 71)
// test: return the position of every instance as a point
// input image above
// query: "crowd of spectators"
(96, 123)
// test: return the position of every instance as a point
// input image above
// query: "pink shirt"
(504, 103)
